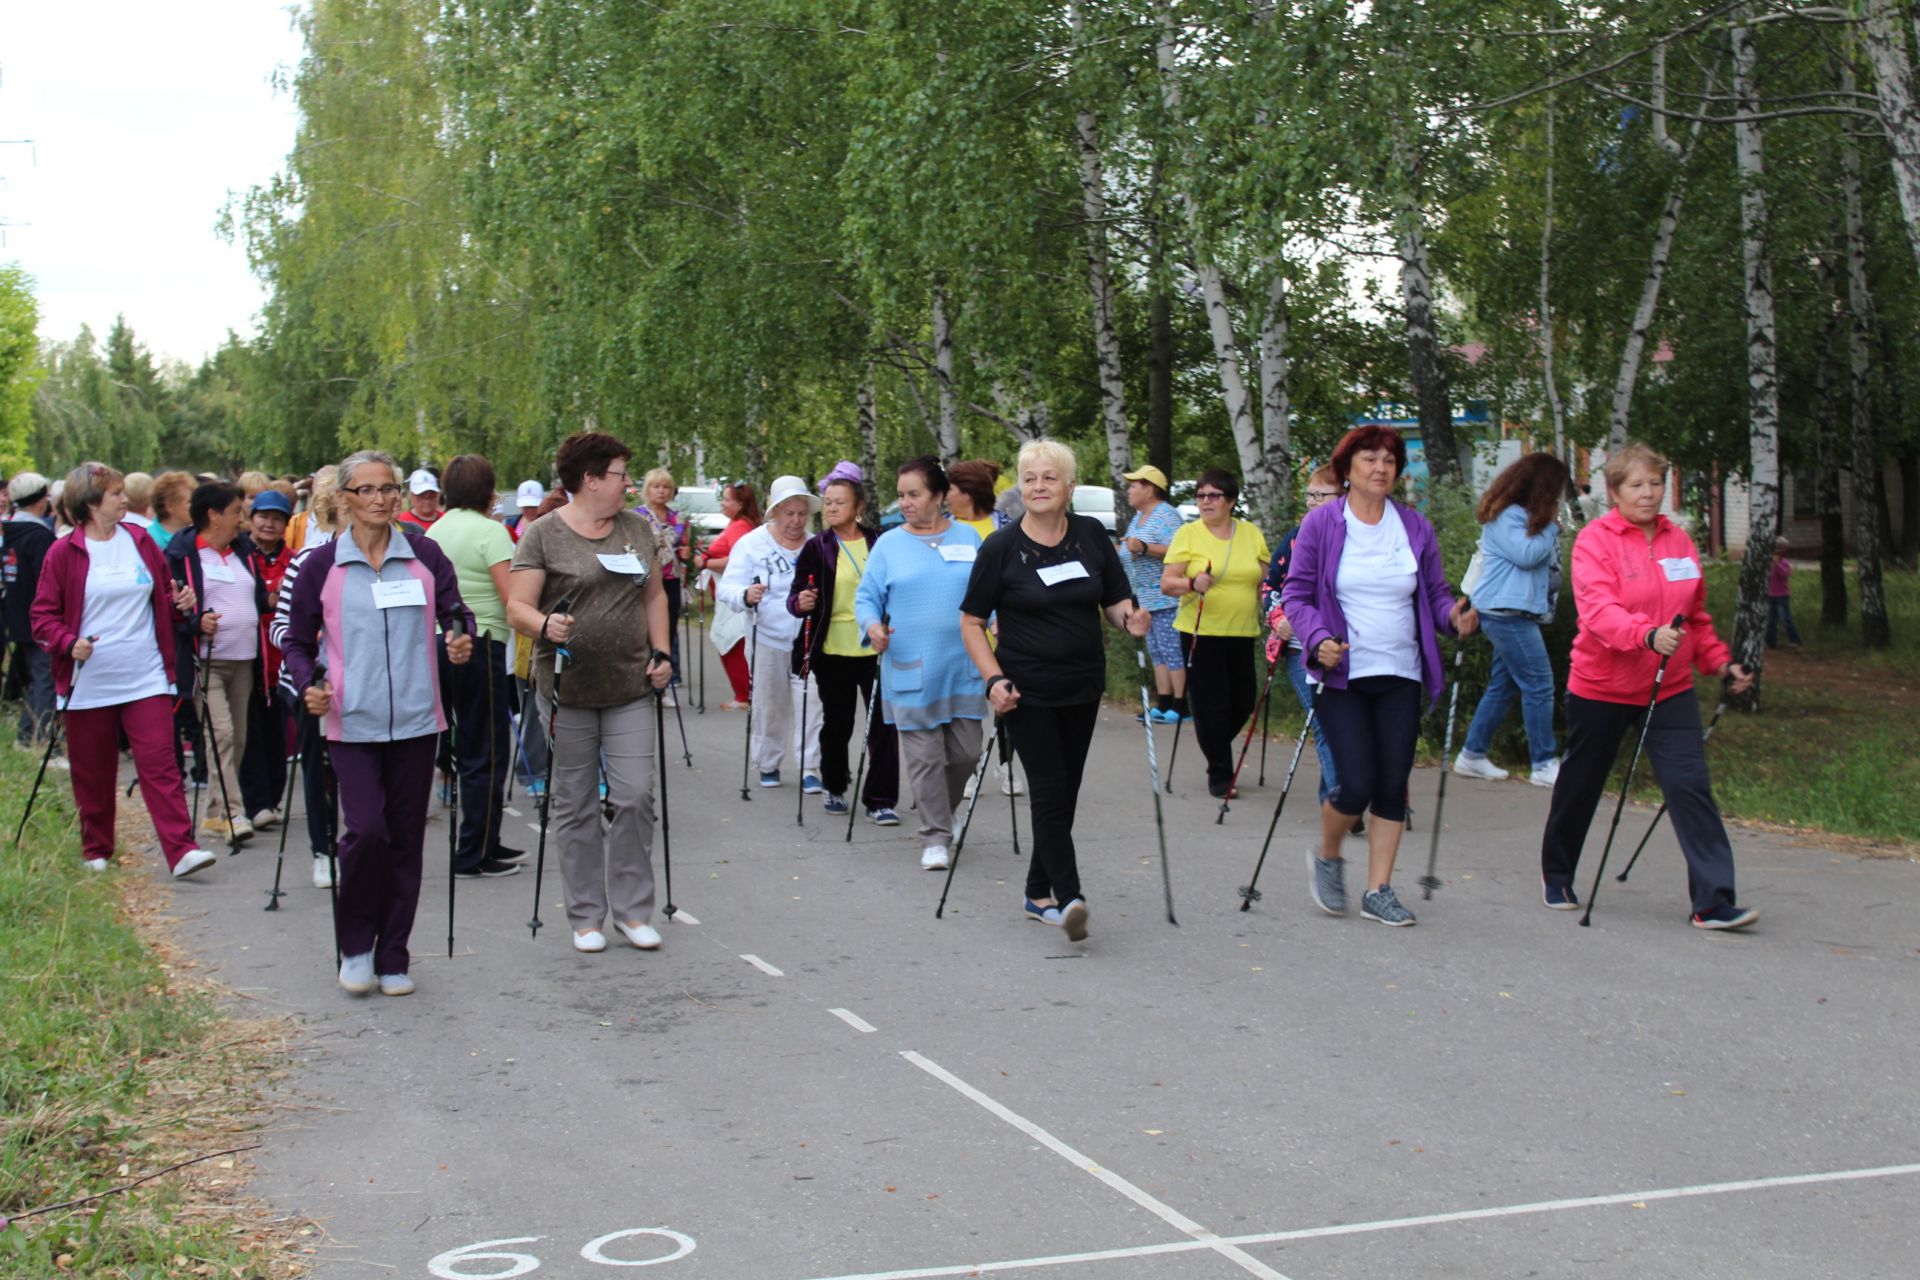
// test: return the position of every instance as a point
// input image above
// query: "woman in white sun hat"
(760, 568)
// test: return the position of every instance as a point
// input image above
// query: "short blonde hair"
(1629, 456)
(251, 484)
(658, 473)
(1048, 453)
(139, 489)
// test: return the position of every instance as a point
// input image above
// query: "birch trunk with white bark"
(1763, 387)
(1895, 88)
(1425, 364)
(1875, 631)
(1106, 339)
(1554, 408)
(1273, 507)
(947, 424)
(869, 427)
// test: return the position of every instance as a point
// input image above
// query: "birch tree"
(1875, 632)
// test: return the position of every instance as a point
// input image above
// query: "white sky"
(144, 116)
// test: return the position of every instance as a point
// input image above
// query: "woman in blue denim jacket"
(1520, 566)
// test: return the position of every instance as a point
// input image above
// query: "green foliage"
(20, 368)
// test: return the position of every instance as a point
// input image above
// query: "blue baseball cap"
(273, 500)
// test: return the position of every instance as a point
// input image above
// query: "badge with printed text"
(957, 555)
(1681, 568)
(399, 595)
(1055, 574)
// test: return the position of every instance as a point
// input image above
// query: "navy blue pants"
(479, 698)
(1594, 733)
(1372, 726)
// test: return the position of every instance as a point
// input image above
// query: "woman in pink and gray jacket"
(365, 607)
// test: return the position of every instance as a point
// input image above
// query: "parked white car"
(1097, 501)
(701, 510)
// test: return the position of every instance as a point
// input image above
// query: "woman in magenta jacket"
(1368, 599)
(105, 612)
(1634, 571)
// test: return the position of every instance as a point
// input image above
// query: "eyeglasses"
(1209, 497)
(1321, 495)
(621, 476)
(364, 491)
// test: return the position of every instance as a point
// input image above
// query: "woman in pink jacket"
(1634, 571)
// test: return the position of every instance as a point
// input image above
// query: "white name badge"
(218, 572)
(399, 595)
(626, 562)
(957, 555)
(1055, 574)
(1681, 569)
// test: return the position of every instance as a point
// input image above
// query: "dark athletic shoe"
(1559, 897)
(501, 853)
(1383, 904)
(835, 805)
(489, 869)
(1726, 916)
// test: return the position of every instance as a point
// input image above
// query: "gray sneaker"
(1383, 904)
(1327, 881)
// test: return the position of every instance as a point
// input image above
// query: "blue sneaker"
(1559, 897)
(835, 805)
(1045, 915)
(537, 789)
(883, 817)
(769, 777)
(1166, 715)
(811, 784)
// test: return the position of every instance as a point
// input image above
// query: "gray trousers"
(938, 763)
(610, 871)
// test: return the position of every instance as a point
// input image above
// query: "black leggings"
(843, 682)
(1372, 726)
(1052, 743)
(1221, 690)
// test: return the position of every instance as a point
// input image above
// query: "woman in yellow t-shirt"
(825, 577)
(970, 495)
(1213, 567)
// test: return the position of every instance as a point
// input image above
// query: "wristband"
(1003, 677)
(1650, 638)
(660, 655)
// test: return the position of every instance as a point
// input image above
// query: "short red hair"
(1372, 436)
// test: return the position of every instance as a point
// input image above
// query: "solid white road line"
(681, 916)
(509, 810)
(852, 1019)
(763, 966)
(1165, 1212)
(1394, 1224)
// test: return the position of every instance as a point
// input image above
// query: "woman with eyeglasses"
(1144, 553)
(1367, 596)
(1213, 568)
(376, 593)
(659, 489)
(1282, 644)
(599, 557)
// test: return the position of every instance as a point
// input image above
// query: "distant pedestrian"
(263, 768)
(320, 522)
(970, 495)
(1780, 598)
(24, 542)
(727, 630)
(378, 592)
(170, 500)
(759, 569)
(1519, 584)
(658, 490)
(423, 500)
(1633, 571)
(1143, 550)
(1283, 645)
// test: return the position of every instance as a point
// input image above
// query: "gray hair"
(343, 478)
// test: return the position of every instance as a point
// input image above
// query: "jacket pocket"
(906, 677)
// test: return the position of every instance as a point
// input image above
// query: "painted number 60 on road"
(468, 1261)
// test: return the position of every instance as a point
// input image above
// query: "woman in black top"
(1048, 578)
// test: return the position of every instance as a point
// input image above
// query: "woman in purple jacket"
(1368, 598)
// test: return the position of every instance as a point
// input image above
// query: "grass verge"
(115, 1063)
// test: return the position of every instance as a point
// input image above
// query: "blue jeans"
(1297, 676)
(1780, 609)
(1520, 670)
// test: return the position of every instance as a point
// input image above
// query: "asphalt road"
(818, 1079)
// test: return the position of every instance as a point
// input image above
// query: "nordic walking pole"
(330, 787)
(293, 775)
(1199, 612)
(47, 755)
(753, 643)
(213, 750)
(1249, 892)
(1661, 812)
(1013, 804)
(1266, 726)
(666, 827)
(685, 749)
(966, 820)
(453, 810)
(1429, 882)
(873, 697)
(1626, 783)
(560, 656)
(806, 664)
(1265, 691)
(1153, 780)
(700, 595)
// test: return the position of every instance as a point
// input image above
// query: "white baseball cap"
(530, 494)
(785, 487)
(423, 481)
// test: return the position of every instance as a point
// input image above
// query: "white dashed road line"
(852, 1019)
(763, 966)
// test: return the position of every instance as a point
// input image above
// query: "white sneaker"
(191, 861)
(1545, 775)
(356, 973)
(1478, 767)
(266, 818)
(934, 858)
(1011, 785)
(396, 984)
(590, 941)
(96, 864)
(667, 699)
(322, 872)
(643, 936)
(967, 792)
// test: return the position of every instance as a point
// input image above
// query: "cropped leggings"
(1372, 726)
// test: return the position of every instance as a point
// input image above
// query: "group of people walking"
(386, 630)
